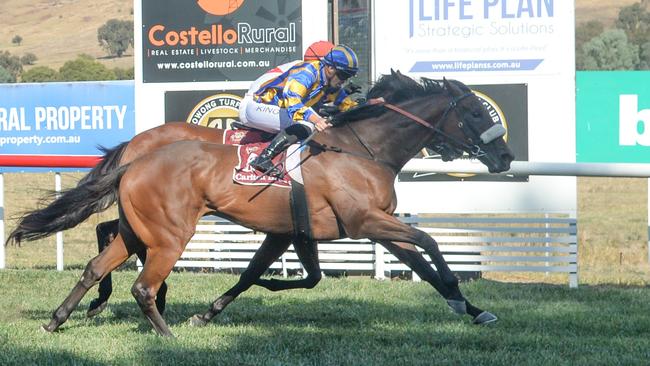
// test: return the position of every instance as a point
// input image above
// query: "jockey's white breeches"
(266, 117)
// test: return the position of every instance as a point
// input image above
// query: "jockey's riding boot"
(264, 161)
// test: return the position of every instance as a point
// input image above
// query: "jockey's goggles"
(343, 75)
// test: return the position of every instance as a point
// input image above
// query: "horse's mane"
(395, 88)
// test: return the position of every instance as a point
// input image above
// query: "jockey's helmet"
(344, 60)
(317, 50)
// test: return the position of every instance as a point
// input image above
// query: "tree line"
(625, 46)
(115, 37)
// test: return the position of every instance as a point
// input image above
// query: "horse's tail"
(72, 207)
(109, 162)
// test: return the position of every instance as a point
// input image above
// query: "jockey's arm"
(294, 92)
(343, 101)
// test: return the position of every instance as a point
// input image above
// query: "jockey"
(285, 102)
(315, 52)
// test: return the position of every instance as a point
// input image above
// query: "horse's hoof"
(94, 309)
(459, 307)
(484, 318)
(197, 321)
(43, 329)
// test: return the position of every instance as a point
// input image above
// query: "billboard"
(62, 120)
(613, 117)
(215, 40)
(522, 54)
(487, 36)
(209, 108)
(507, 105)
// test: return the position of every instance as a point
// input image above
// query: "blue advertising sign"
(65, 119)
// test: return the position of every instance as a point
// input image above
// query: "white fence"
(505, 244)
(524, 168)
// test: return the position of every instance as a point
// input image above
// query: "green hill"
(58, 30)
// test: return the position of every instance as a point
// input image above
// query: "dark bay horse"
(376, 142)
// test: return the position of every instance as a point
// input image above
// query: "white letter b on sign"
(629, 118)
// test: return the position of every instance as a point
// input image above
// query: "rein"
(474, 150)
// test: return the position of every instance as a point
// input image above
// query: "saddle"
(250, 142)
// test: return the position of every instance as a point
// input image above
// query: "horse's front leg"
(307, 251)
(271, 249)
(409, 255)
(385, 228)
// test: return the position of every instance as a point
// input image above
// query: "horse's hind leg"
(106, 232)
(114, 255)
(161, 296)
(270, 250)
(159, 264)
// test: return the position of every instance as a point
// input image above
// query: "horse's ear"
(392, 72)
(445, 83)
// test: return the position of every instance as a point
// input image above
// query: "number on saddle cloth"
(244, 174)
(247, 135)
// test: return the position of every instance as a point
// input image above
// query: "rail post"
(2, 222)
(59, 235)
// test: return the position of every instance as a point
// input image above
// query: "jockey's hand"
(352, 88)
(322, 124)
(374, 101)
(328, 110)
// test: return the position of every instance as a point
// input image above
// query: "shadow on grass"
(539, 324)
(523, 306)
(129, 265)
(257, 311)
(31, 356)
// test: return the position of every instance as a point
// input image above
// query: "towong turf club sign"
(216, 40)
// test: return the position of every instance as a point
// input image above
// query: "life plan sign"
(60, 120)
(613, 117)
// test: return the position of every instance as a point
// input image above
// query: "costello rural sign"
(613, 117)
(217, 40)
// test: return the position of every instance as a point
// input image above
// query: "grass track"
(343, 321)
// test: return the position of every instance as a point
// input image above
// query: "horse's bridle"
(474, 150)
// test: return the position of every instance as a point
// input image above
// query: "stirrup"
(266, 167)
(274, 172)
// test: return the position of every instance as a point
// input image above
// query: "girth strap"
(300, 214)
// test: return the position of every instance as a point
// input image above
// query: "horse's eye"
(476, 114)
